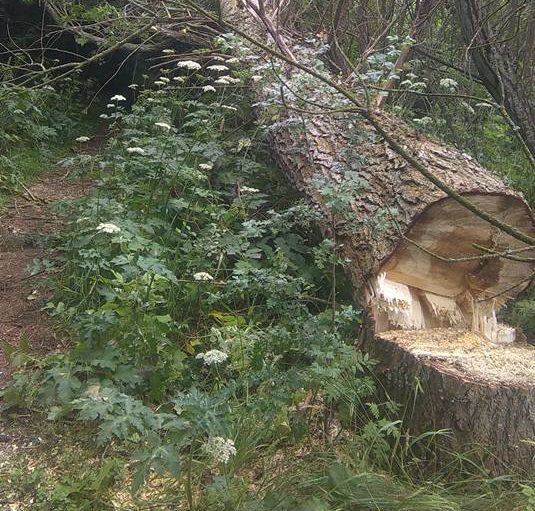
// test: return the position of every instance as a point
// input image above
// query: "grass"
(23, 165)
(133, 401)
(55, 465)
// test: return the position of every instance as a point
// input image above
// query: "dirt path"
(24, 225)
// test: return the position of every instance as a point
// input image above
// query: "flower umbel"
(118, 97)
(248, 189)
(202, 275)
(212, 357)
(220, 449)
(189, 64)
(108, 228)
(83, 139)
(217, 67)
(135, 150)
(163, 125)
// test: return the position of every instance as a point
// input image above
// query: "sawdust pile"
(469, 354)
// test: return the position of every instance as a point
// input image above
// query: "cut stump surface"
(455, 379)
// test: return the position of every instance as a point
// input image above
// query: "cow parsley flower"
(220, 449)
(224, 80)
(83, 139)
(163, 125)
(208, 88)
(164, 79)
(202, 275)
(247, 189)
(168, 51)
(189, 64)
(118, 97)
(212, 357)
(135, 150)
(423, 121)
(227, 80)
(108, 228)
(218, 68)
(133, 86)
(178, 79)
(206, 166)
(233, 60)
(449, 84)
(159, 82)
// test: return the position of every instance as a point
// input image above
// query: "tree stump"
(421, 262)
(455, 379)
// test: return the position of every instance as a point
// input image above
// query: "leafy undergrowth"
(211, 366)
(37, 127)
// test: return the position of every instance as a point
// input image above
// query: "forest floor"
(25, 222)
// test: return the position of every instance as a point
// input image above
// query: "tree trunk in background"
(504, 66)
(422, 18)
(391, 228)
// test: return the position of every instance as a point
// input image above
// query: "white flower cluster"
(212, 357)
(83, 139)
(189, 64)
(227, 80)
(135, 150)
(248, 189)
(118, 97)
(206, 166)
(449, 84)
(220, 449)
(202, 275)
(163, 125)
(218, 68)
(208, 88)
(108, 228)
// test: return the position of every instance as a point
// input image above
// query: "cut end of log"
(435, 278)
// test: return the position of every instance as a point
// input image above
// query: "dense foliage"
(211, 332)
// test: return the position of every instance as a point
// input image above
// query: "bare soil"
(25, 222)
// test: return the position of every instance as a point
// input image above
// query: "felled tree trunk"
(402, 285)
(414, 252)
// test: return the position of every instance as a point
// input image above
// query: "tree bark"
(414, 252)
(490, 414)
(506, 70)
(418, 259)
